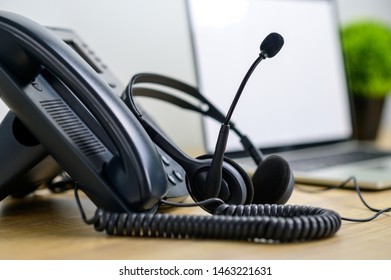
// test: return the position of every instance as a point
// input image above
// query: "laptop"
(295, 104)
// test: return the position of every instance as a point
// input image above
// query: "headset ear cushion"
(273, 181)
(242, 172)
(246, 178)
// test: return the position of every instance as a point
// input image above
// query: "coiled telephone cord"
(263, 223)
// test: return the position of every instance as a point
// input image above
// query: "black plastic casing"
(77, 118)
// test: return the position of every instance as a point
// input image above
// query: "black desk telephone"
(68, 113)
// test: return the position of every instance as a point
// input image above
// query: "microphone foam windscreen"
(272, 44)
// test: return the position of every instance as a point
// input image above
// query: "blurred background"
(133, 36)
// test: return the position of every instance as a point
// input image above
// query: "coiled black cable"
(264, 223)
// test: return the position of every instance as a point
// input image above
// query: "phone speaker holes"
(73, 127)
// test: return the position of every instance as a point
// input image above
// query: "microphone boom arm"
(241, 87)
(270, 46)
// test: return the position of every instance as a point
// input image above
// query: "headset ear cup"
(247, 181)
(273, 181)
(246, 178)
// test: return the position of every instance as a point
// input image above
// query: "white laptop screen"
(297, 97)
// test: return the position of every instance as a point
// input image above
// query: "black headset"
(242, 208)
(272, 182)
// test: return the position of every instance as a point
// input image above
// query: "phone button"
(37, 86)
(165, 160)
(178, 175)
(171, 179)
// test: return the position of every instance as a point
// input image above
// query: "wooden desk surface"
(48, 226)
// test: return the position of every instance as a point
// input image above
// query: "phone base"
(26, 165)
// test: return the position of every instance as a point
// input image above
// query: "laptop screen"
(299, 97)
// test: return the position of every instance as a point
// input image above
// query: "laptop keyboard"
(327, 161)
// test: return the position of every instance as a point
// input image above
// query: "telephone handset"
(78, 120)
(63, 112)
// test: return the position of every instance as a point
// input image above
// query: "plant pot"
(368, 113)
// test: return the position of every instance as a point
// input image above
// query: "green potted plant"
(367, 51)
